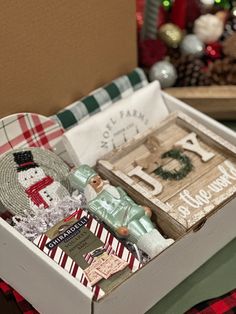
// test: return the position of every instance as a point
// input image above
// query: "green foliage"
(175, 174)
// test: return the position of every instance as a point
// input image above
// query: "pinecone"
(190, 72)
(230, 27)
(229, 46)
(223, 72)
(174, 54)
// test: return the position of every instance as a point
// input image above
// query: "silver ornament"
(164, 72)
(191, 44)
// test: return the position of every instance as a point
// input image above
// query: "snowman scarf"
(33, 191)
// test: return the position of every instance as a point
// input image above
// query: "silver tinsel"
(32, 224)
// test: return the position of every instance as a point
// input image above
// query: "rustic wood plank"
(171, 227)
(218, 102)
(166, 139)
(117, 166)
(202, 196)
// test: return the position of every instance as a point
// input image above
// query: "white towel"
(100, 134)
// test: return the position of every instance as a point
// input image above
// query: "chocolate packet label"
(68, 234)
(77, 243)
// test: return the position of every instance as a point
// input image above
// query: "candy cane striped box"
(111, 244)
(52, 289)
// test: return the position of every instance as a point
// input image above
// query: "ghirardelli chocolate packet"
(89, 252)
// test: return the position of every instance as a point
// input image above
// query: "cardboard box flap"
(23, 276)
(53, 53)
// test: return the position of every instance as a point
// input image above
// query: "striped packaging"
(111, 244)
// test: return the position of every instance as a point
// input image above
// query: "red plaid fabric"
(6, 289)
(28, 130)
(23, 305)
(225, 304)
(31, 130)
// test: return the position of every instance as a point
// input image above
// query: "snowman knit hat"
(24, 160)
(31, 178)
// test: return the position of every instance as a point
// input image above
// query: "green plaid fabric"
(101, 98)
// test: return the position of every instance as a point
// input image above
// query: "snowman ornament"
(42, 190)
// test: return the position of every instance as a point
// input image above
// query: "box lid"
(53, 53)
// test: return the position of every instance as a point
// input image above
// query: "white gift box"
(51, 289)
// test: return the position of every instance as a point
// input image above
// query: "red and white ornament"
(207, 3)
(208, 28)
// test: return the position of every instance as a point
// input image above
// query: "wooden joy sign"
(181, 170)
